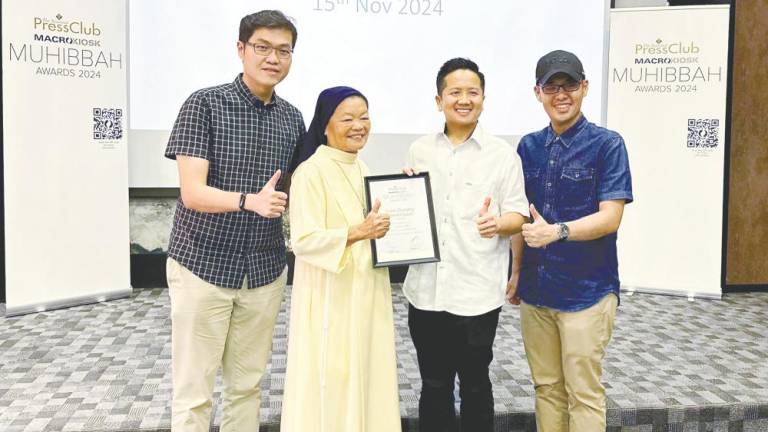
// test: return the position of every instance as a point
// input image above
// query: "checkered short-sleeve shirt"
(245, 142)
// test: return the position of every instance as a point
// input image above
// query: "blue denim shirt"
(566, 177)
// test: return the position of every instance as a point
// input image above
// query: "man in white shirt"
(479, 201)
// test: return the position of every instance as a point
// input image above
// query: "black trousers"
(447, 345)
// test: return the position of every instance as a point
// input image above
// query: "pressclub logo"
(660, 47)
(59, 25)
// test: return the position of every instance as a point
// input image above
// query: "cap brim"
(547, 76)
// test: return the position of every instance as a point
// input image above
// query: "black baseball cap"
(556, 62)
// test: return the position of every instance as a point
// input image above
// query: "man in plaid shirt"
(227, 260)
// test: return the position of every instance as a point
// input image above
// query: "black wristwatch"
(562, 232)
(242, 202)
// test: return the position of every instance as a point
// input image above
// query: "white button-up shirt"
(471, 277)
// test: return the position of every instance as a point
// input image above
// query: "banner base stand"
(65, 303)
(691, 295)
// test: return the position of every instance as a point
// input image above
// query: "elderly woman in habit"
(342, 371)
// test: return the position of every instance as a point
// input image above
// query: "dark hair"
(273, 19)
(455, 64)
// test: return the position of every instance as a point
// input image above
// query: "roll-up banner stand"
(65, 156)
(667, 81)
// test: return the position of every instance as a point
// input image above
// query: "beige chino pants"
(213, 326)
(565, 351)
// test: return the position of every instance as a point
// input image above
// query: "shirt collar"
(476, 137)
(245, 92)
(566, 137)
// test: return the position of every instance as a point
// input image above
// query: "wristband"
(242, 202)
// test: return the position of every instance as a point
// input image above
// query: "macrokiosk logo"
(661, 47)
(60, 25)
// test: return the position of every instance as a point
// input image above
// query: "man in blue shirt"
(565, 269)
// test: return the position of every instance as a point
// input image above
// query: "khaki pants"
(212, 326)
(565, 351)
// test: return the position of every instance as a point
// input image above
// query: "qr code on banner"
(107, 123)
(702, 133)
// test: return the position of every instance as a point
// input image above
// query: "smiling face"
(563, 107)
(262, 73)
(349, 125)
(461, 100)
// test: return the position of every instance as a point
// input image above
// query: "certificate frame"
(428, 207)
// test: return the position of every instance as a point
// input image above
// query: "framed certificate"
(412, 236)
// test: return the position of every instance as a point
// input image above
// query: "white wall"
(392, 58)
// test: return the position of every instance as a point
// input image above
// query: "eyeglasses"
(570, 86)
(265, 50)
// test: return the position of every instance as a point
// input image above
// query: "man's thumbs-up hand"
(272, 182)
(537, 218)
(487, 224)
(269, 202)
(539, 233)
(484, 208)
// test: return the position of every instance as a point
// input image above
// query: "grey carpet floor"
(673, 365)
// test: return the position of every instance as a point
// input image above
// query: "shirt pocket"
(470, 199)
(577, 189)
